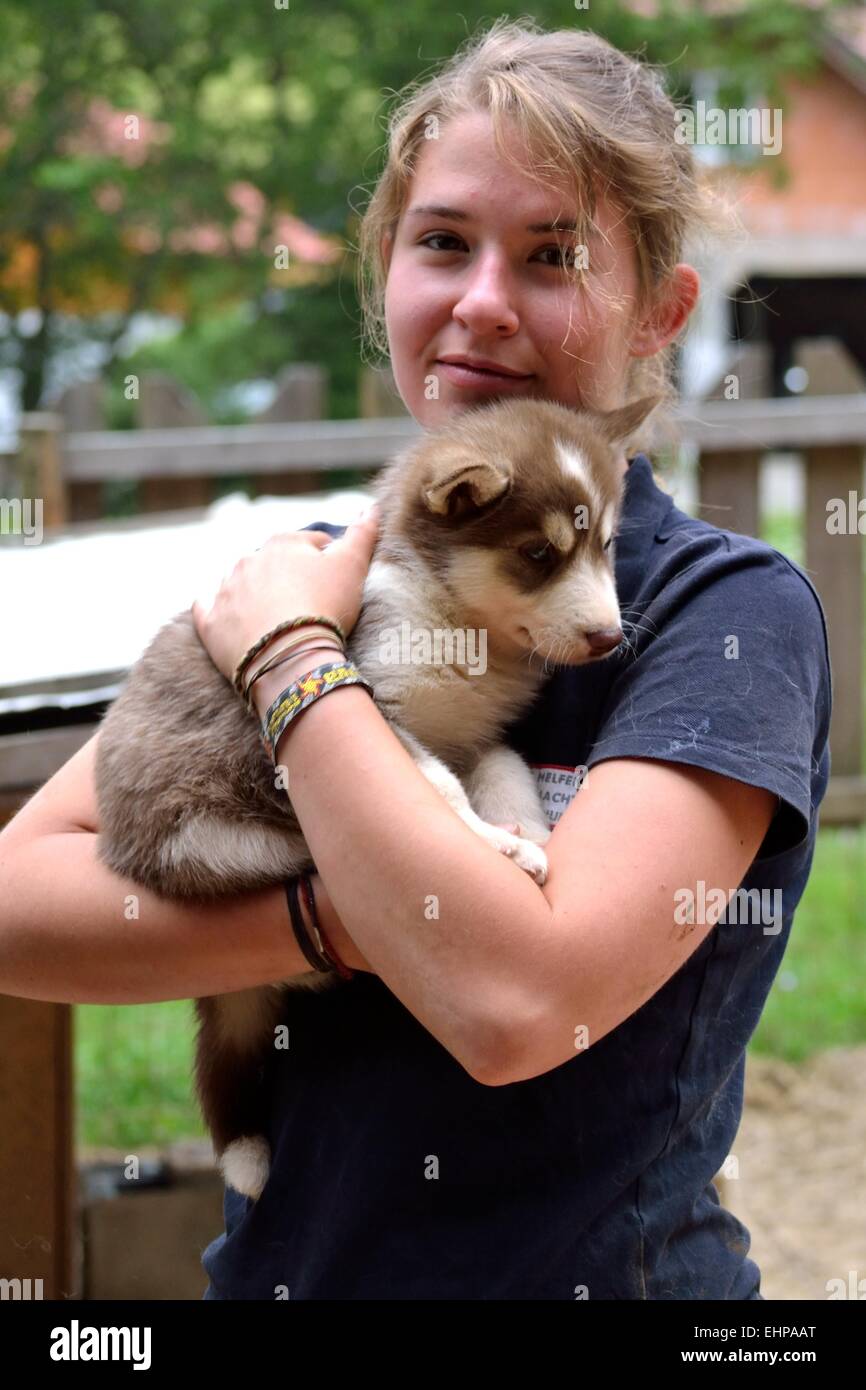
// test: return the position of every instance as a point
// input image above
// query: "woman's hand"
(295, 573)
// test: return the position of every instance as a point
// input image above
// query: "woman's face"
(488, 283)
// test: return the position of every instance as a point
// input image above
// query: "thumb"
(367, 524)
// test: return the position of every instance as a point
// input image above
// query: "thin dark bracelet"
(316, 645)
(306, 885)
(319, 962)
(267, 637)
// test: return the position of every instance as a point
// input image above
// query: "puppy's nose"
(604, 639)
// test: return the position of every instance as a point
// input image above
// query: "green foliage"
(293, 101)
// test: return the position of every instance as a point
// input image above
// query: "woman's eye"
(565, 255)
(438, 236)
(537, 552)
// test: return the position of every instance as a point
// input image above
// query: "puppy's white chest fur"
(457, 709)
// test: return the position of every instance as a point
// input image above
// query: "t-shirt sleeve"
(730, 672)
(328, 526)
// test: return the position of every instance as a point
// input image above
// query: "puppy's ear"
(459, 484)
(617, 425)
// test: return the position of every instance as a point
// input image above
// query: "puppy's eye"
(537, 553)
(607, 543)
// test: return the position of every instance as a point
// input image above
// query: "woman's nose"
(487, 305)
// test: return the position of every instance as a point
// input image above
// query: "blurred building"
(783, 306)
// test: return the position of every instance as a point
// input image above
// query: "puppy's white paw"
(531, 858)
(539, 834)
(245, 1165)
(526, 855)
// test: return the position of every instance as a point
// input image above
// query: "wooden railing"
(829, 433)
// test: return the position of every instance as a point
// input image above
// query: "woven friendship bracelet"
(296, 648)
(287, 626)
(300, 695)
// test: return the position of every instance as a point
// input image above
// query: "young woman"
(523, 1092)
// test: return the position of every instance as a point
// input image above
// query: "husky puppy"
(499, 523)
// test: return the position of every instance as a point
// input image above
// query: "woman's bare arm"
(72, 931)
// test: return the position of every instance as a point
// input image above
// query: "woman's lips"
(478, 380)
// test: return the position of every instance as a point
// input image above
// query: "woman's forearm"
(72, 931)
(426, 900)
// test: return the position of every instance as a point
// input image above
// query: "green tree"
(290, 100)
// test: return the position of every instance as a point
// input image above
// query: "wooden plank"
(28, 760)
(164, 402)
(716, 426)
(728, 488)
(784, 423)
(300, 396)
(302, 389)
(37, 1174)
(169, 494)
(844, 802)
(835, 565)
(40, 466)
(378, 395)
(85, 501)
(239, 449)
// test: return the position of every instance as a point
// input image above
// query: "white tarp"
(85, 606)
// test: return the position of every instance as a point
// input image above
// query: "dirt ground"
(801, 1189)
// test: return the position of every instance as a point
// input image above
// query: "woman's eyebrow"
(457, 215)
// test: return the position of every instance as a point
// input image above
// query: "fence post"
(37, 1172)
(728, 489)
(378, 397)
(835, 566)
(38, 469)
(166, 404)
(301, 393)
(82, 408)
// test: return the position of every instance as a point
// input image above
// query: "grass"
(133, 1074)
(817, 1000)
(134, 1064)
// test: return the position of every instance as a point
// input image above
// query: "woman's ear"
(668, 313)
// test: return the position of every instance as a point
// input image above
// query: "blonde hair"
(587, 113)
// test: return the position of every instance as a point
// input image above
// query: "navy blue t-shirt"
(398, 1176)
